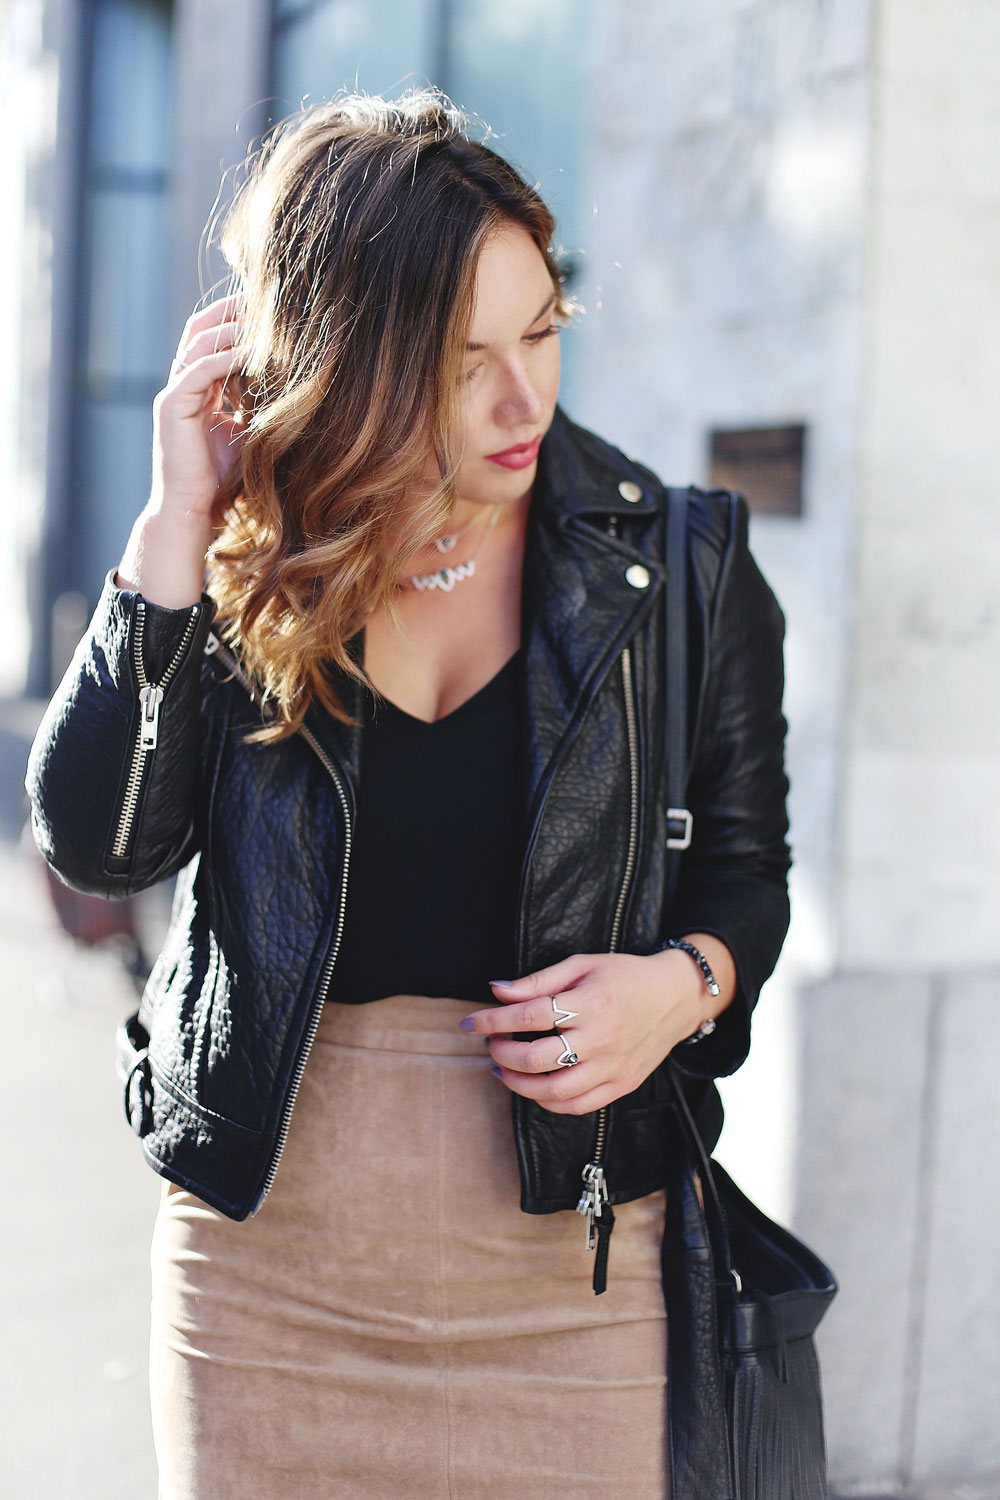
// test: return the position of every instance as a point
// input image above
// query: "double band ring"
(569, 1058)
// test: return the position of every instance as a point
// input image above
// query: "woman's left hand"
(630, 1012)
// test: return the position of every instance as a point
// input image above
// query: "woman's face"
(511, 377)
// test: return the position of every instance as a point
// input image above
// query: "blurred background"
(783, 220)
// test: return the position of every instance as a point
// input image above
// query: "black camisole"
(438, 843)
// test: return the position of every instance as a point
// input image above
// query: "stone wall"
(725, 284)
(900, 1164)
(921, 870)
(797, 213)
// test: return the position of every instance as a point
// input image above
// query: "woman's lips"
(518, 457)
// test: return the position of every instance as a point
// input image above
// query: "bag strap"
(715, 1217)
(679, 819)
(679, 826)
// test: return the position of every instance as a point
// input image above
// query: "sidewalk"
(79, 1200)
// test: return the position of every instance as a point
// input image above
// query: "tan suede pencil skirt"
(390, 1324)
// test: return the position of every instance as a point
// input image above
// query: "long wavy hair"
(353, 241)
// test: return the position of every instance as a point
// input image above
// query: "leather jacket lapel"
(578, 607)
(577, 611)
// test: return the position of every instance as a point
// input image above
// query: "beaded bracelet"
(708, 1025)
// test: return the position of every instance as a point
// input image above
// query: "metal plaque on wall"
(763, 463)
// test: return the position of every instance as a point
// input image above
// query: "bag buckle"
(679, 825)
(135, 1073)
(138, 1096)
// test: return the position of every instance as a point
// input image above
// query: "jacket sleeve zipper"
(150, 699)
(594, 1203)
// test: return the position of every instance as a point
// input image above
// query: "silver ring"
(569, 1058)
(561, 1015)
(180, 364)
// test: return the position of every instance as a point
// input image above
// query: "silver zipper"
(324, 983)
(595, 1187)
(213, 647)
(150, 699)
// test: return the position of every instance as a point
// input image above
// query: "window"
(517, 66)
(122, 338)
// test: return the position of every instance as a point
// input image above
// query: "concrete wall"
(796, 217)
(899, 1189)
(921, 874)
(900, 1167)
(728, 171)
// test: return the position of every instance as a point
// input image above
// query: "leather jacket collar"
(578, 607)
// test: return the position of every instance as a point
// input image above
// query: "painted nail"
(503, 981)
(467, 1023)
(496, 1072)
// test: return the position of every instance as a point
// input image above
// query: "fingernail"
(503, 981)
(467, 1023)
(496, 1072)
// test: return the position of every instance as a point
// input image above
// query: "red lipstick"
(518, 457)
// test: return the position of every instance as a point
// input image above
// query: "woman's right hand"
(195, 445)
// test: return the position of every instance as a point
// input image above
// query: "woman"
(423, 745)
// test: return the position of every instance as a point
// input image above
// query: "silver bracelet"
(708, 1025)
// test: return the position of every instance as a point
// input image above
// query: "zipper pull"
(586, 1207)
(604, 1229)
(593, 1200)
(150, 698)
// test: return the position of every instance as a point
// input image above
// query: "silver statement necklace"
(446, 578)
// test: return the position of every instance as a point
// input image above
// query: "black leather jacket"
(261, 835)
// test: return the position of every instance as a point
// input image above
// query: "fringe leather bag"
(771, 1291)
(749, 1294)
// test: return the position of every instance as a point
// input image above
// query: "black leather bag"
(771, 1291)
(744, 1296)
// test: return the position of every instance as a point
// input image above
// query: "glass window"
(126, 255)
(380, 46)
(124, 340)
(130, 85)
(517, 66)
(110, 481)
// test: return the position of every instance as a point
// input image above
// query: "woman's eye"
(545, 333)
(469, 373)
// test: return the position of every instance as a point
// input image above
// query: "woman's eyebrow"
(539, 314)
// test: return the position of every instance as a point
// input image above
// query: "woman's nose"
(519, 400)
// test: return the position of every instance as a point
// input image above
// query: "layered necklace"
(445, 578)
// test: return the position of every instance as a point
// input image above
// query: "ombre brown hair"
(353, 241)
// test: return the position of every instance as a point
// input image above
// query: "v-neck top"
(438, 844)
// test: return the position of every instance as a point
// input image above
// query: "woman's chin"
(495, 484)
